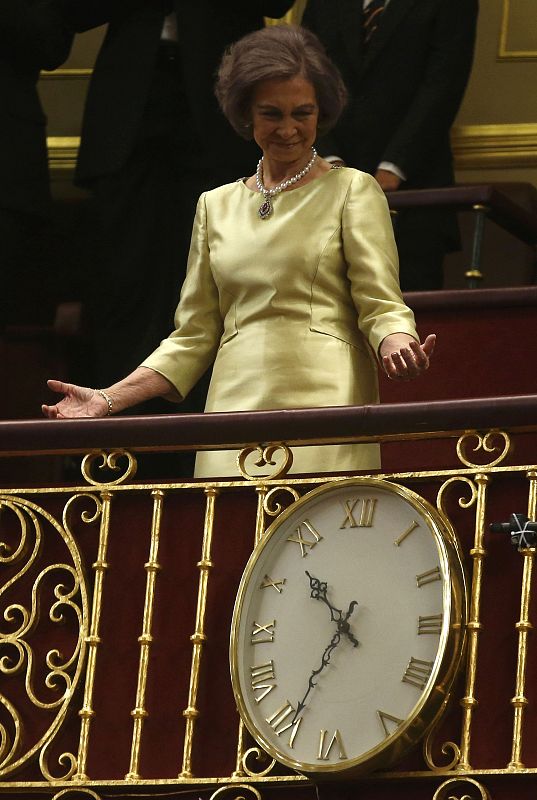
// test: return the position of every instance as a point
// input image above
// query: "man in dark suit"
(33, 36)
(153, 139)
(406, 64)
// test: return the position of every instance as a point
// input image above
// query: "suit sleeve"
(35, 34)
(262, 8)
(275, 8)
(373, 268)
(435, 105)
(187, 353)
(83, 15)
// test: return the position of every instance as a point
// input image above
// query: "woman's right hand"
(77, 401)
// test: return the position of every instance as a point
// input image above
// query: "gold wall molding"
(66, 73)
(62, 153)
(506, 51)
(495, 146)
(484, 147)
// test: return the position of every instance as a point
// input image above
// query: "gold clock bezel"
(448, 657)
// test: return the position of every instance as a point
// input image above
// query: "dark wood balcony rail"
(389, 421)
(492, 201)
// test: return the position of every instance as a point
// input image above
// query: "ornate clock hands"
(318, 592)
(325, 660)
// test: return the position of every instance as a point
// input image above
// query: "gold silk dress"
(292, 309)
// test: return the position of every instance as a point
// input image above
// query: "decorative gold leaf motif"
(463, 503)
(446, 748)
(260, 756)
(451, 788)
(272, 507)
(76, 794)
(237, 788)
(109, 461)
(486, 444)
(266, 458)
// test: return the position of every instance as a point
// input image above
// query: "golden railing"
(116, 598)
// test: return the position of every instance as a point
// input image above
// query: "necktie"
(371, 19)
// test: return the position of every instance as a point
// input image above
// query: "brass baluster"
(259, 530)
(198, 638)
(93, 640)
(524, 626)
(473, 274)
(139, 713)
(474, 626)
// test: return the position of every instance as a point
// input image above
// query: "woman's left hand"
(403, 358)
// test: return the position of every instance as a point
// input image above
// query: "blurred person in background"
(152, 140)
(406, 64)
(33, 36)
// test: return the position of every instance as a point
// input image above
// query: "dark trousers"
(423, 237)
(421, 271)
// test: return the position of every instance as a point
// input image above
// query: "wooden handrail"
(504, 211)
(293, 426)
(522, 297)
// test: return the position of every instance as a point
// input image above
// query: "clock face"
(347, 629)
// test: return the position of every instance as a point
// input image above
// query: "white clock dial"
(348, 616)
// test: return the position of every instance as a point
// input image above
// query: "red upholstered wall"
(486, 345)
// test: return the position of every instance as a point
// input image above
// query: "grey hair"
(277, 52)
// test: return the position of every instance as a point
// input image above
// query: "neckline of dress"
(242, 181)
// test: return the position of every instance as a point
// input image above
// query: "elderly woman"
(292, 285)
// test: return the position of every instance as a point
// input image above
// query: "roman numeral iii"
(432, 624)
(418, 672)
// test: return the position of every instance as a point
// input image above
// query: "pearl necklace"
(266, 208)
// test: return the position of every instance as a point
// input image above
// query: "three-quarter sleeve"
(187, 353)
(373, 270)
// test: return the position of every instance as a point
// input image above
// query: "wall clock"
(348, 628)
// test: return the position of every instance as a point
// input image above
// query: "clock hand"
(318, 592)
(325, 660)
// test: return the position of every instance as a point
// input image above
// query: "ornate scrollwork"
(109, 461)
(56, 596)
(85, 516)
(265, 459)
(76, 794)
(66, 760)
(463, 503)
(446, 748)
(259, 755)
(9, 741)
(271, 506)
(237, 788)
(468, 786)
(486, 444)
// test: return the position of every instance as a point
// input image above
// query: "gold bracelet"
(108, 399)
